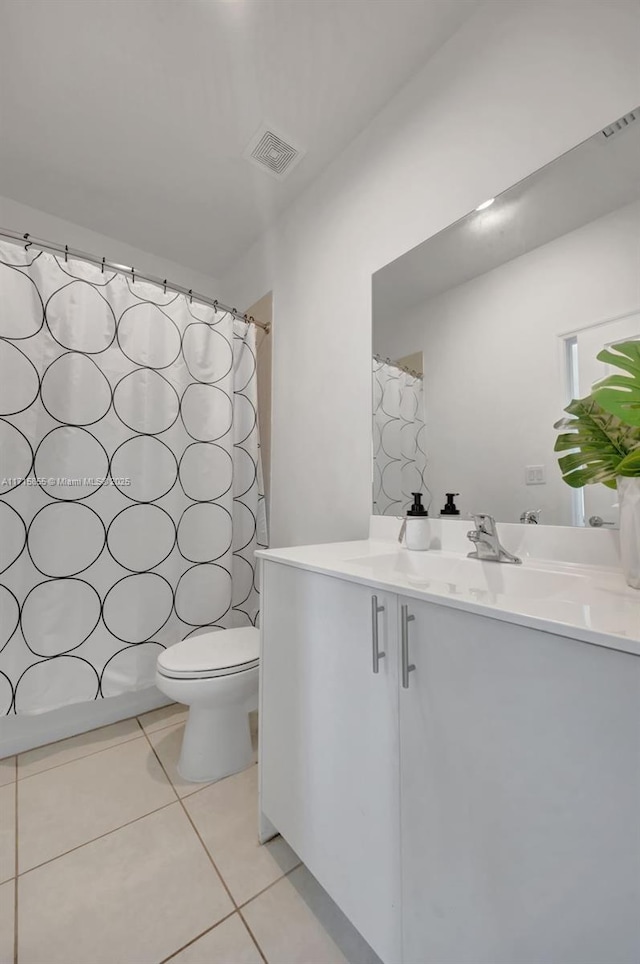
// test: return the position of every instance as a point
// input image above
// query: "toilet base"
(216, 743)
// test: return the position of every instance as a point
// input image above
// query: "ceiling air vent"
(271, 152)
(621, 124)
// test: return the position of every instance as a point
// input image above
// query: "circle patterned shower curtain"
(130, 482)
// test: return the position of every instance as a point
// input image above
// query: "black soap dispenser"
(417, 507)
(450, 506)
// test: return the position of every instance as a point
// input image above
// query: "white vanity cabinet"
(329, 750)
(482, 806)
(520, 777)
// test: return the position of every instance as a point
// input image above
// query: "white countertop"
(584, 602)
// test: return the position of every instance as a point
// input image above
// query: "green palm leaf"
(602, 442)
(630, 465)
(620, 394)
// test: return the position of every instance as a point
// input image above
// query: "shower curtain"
(130, 483)
(399, 455)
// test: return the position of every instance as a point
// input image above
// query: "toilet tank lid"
(223, 649)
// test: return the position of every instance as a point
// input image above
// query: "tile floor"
(108, 857)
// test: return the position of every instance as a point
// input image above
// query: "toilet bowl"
(216, 676)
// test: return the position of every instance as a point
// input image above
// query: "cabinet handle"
(407, 668)
(596, 522)
(377, 655)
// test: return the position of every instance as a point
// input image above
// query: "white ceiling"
(129, 117)
(586, 183)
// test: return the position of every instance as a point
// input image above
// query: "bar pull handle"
(405, 619)
(377, 655)
(596, 522)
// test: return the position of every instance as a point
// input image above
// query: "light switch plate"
(534, 475)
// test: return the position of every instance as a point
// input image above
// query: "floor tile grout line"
(15, 920)
(253, 936)
(269, 886)
(242, 907)
(149, 734)
(130, 739)
(197, 938)
(94, 729)
(73, 736)
(238, 908)
(165, 726)
(205, 786)
(195, 829)
(56, 766)
(15, 882)
(107, 833)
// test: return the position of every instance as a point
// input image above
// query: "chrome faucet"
(487, 543)
(531, 516)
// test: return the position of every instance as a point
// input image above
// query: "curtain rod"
(402, 368)
(27, 240)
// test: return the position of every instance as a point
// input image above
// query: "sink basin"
(418, 565)
(459, 575)
(522, 582)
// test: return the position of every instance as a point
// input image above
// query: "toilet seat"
(225, 652)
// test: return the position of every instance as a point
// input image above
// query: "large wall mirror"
(483, 333)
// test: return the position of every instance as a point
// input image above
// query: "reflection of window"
(573, 383)
(573, 391)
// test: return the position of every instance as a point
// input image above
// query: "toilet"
(216, 675)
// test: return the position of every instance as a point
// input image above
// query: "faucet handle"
(531, 516)
(485, 523)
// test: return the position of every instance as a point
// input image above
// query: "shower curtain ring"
(133, 276)
(66, 252)
(28, 244)
(190, 296)
(164, 285)
(102, 268)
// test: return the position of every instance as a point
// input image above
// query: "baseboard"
(20, 733)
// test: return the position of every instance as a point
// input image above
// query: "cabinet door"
(520, 774)
(329, 741)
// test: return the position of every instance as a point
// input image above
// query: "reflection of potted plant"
(602, 442)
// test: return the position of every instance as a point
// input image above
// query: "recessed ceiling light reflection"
(485, 204)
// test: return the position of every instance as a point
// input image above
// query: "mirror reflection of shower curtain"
(399, 450)
(131, 501)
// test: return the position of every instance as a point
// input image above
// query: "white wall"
(494, 378)
(19, 217)
(520, 83)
